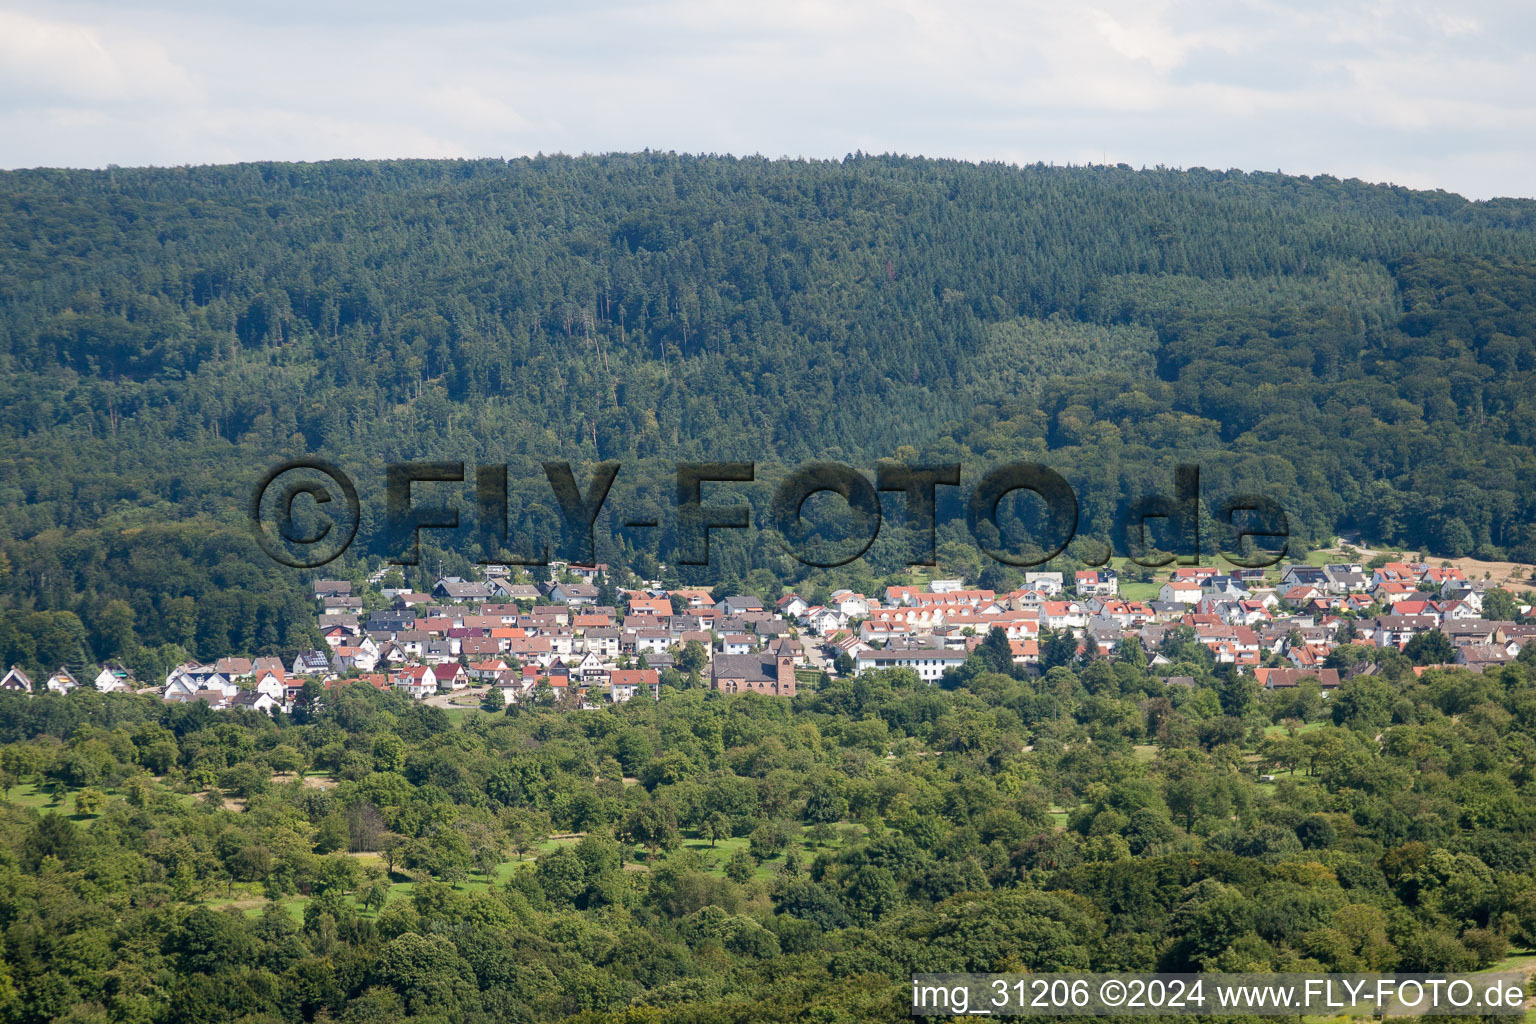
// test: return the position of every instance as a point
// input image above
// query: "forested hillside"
(1364, 354)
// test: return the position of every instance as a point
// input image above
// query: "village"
(498, 642)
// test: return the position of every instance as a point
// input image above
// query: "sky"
(1429, 95)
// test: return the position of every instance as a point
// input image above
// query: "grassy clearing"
(1139, 591)
(1280, 730)
(46, 798)
(1524, 962)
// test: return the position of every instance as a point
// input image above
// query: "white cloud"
(53, 60)
(1413, 92)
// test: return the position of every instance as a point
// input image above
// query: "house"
(272, 683)
(738, 603)
(850, 604)
(487, 671)
(576, 594)
(753, 673)
(1180, 592)
(454, 588)
(930, 663)
(1389, 592)
(439, 651)
(1028, 599)
(514, 591)
(62, 681)
(413, 642)
(1346, 579)
(589, 667)
(604, 642)
(660, 607)
(180, 684)
(1302, 595)
(114, 678)
(390, 621)
(1483, 655)
(883, 630)
(737, 643)
(823, 621)
(189, 679)
(235, 668)
(1456, 590)
(1063, 615)
(420, 681)
(16, 681)
(1395, 572)
(1048, 583)
(254, 700)
(1461, 611)
(625, 683)
(1229, 587)
(652, 641)
(310, 663)
(791, 606)
(1397, 630)
(353, 659)
(1281, 678)
(340, 605)
(1025, 652)
(959, 601)
(1440, 577)
(1096, 583)
(1303, 576)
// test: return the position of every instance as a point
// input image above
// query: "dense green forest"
(1364, 354)
(719, 857)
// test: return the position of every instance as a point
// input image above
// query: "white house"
(792, 606)
(1048, 583)
(823, 621)
(256, 701)
(420, 681)
(1180, 592)
(114, 678)
(736, 643)
(930, 663)
(1063, 615)
(852, 605)
(62, 681)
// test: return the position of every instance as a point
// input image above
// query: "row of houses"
(109, 677)
(516, 640)
(551, 635)
(1241, 617)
